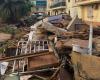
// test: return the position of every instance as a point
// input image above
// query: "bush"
(9, 29)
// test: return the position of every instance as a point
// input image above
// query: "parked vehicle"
(31, 20)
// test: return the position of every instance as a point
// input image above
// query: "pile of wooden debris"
(61, 55)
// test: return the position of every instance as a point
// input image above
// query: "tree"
(13, 10)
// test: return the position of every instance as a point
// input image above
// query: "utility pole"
(90, 39)
(91, 31)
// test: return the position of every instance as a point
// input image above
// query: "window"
(49, 13)
(69, 12)
(68, 0)
(90, 11)
(96, 6)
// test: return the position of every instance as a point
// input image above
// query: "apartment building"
(55, 7)
(39, 5)
(89, 11)
(71, 8)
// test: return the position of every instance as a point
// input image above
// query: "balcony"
(59, 4)
(86, 2)
(82, 0)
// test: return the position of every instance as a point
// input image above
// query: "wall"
(83, 13)
(71, 9)
(49, 11)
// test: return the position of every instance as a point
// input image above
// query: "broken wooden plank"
(37, 71)
(50, 27)
(42, 61)
(24, 56)
(54, 76)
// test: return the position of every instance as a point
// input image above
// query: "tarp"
(54, 18)
(3, 67)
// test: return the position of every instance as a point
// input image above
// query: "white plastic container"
(77, 48)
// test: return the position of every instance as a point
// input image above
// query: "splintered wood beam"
(54, 76)
(25, 56)
(36, 71)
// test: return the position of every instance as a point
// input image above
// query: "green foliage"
(2, 47)
(9, 29)
(6, 44)
(13, 10)
(1, 50)
(10, 43)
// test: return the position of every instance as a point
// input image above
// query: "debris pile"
(55, 49)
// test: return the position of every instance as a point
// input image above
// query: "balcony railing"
(82, 0)
(59, 4)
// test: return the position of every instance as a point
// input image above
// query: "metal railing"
(58, 4)
(27, 47)
(81, 0)
(40, 45)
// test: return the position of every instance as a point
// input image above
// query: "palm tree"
(13, 10)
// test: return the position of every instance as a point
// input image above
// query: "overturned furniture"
(42, 61)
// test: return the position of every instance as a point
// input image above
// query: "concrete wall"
(84, 13)
(71, 9)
